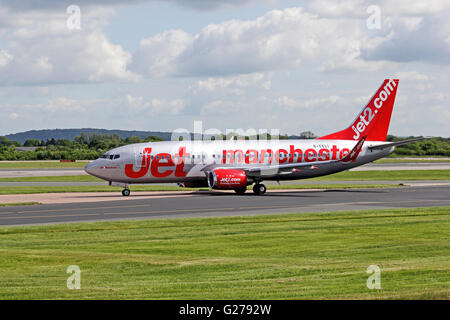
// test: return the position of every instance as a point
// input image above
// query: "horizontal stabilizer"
(398, 143)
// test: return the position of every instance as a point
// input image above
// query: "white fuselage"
(187, 161)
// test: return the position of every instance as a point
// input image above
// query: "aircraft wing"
(398, 143)
(293, 167)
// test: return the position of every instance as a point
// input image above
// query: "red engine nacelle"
(227, 179)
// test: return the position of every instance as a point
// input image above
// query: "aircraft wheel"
(240, 190)
(126, 192)
(259, 189)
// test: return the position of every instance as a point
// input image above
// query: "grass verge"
(294, 256)
(41, 164)
(19, 204)
(405, 160)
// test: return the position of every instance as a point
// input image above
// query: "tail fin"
(373, 121)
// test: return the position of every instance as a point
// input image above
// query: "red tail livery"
(374, 118)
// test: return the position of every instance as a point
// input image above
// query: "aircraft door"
(140, 160)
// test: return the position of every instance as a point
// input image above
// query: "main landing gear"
(126, 192)
(259, 189)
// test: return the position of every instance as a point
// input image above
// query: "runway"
(215, 204)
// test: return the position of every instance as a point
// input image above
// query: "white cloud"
(24, 5)
(62, 105)
(276, 40)
(232, 84)
(5, 58)
(413, 75)
(155, 106)
(41, 49)
(172, 107)
(280, 39)
(339, 9)
(221, 107)
(13, 116)
(291, 104)
(157, 56)
(294, 37)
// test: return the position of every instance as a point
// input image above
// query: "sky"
(263, 64)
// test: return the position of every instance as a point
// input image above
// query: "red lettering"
(279, 158)
(180, 165)
(310, 153)
(249, 159)
(232, 154)
(324, 155)
(334, 150)
(156, 164)
(293, 151)
(129, 168)
(263, 155)
(344, 152)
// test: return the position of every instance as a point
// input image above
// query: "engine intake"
(227, 179)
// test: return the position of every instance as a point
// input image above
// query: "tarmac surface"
(215, 204)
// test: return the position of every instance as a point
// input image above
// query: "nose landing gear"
(259, 189)
(126, 192)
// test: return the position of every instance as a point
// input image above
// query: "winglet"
(355, 151)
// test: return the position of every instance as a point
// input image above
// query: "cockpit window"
(110, 156)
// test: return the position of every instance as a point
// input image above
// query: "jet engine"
(227, 179)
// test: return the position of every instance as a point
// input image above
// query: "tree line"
(83, 147)
(92, 146)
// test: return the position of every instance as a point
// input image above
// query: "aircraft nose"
(90, 168)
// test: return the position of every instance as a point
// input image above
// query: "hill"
(70, 134)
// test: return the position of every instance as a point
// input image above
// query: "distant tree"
(6, 142)
(32, 143)
(64, 142)
(152, 139)
(307, 135)
(131, 140)
(50, 142)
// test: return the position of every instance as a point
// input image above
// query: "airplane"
(236, 164)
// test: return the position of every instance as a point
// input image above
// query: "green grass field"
(19, 204)
(294, 256)
(403, 160)
(41, 164)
